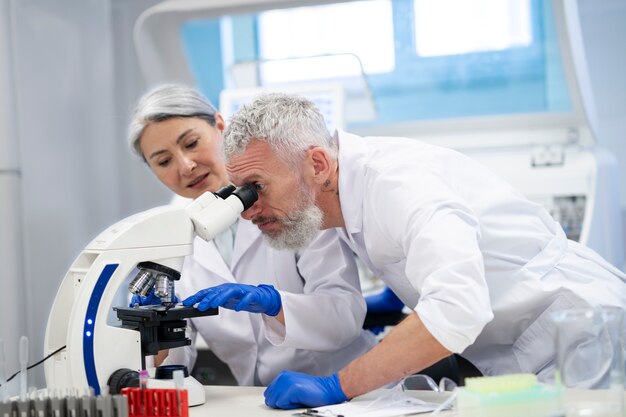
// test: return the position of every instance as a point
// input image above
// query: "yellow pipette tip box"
(515, 395)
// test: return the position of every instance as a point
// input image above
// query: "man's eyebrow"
(251, 177)
(178, 139)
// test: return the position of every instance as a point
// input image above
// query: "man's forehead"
(251, 150)
(247, 168)
(257, 163)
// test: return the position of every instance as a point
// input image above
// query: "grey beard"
(299, 229)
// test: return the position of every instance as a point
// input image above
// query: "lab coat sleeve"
(428, 226)
(329, 313)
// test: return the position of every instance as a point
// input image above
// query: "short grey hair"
(167, 102)
(290, 124)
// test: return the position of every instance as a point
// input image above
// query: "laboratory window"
(408, 60)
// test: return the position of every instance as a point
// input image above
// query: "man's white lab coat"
(482, 266)
(322, 304)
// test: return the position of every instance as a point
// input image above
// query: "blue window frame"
(528, 78)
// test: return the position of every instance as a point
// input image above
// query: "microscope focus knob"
(122, 378)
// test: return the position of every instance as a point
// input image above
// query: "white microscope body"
(94, 348)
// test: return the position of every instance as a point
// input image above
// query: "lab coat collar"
(247, 234)
(207, 255)
(352, 157)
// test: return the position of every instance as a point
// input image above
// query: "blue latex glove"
(255, 299)
(376, 329)
(148, 300)
(383, 302)
(296, 390)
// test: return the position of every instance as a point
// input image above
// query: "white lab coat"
(322, 304)
(482, 266)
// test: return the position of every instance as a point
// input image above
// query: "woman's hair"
(166, 102)
(290, 124)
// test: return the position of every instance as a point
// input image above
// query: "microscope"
(95, 347)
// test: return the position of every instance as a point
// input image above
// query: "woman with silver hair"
(269, 296)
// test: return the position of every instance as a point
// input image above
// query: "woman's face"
(185, 154)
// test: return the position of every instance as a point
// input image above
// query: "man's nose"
(252, 212)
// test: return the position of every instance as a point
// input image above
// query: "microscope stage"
(156, 314)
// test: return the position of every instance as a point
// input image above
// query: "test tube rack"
(69, 406)
(156, 402)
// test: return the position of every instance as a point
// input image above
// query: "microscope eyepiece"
(211, 214)
(225, 191)
(247, 194)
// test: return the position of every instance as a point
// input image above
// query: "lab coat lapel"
(231, 328)
(352, 157)
(207, 255)
(247, 234)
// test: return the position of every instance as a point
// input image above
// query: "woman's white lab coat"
(322, 304)
(482, 266)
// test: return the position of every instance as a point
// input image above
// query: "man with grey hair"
(481, 266)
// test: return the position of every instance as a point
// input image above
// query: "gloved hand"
(385, 301)
(376, 329)
(149, 299)
(255, 299)
(295, 390)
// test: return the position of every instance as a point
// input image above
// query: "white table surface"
(234, 401)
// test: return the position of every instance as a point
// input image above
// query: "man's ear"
(321, 164)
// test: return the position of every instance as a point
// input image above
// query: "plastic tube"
(179, 382)
(143, 379)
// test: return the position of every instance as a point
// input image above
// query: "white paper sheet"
(359, 409)
(385, 403)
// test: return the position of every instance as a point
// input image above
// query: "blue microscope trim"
(90, 321)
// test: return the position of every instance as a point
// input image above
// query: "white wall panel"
(13, 309)
(68, 161)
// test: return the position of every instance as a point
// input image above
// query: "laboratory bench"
(235, 401)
